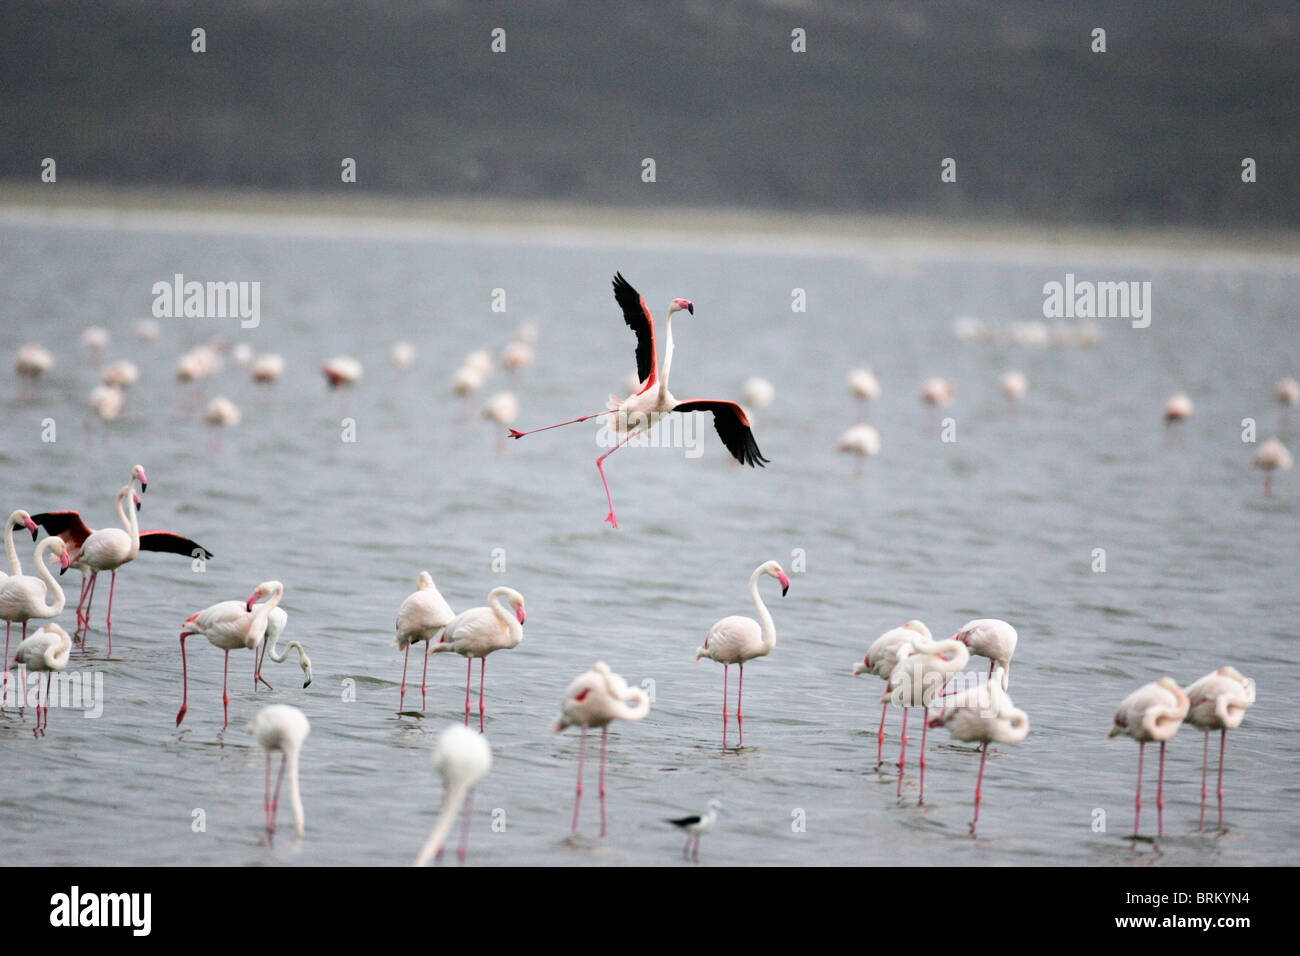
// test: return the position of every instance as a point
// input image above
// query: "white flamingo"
(737, 639)
(916, 681)
(283, 728)
(595, 699)
(421, 617)
(882, 657)
(462, 759)
(1153, 712)
(1218, 701)
(480, 631)
(47, 650)
(991, 638)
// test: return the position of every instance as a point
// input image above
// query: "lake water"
(1002, 522)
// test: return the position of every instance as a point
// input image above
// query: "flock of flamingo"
(918, 671)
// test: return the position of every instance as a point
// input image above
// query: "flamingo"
(22, 596)
(639, 412)
(276, 620)
(33, 361)
(937, 391)
(422, 617)
(242, 354)
(861, 440)
(594, 699)
(223, 413)
(1178, 408)
(95, 338)
(758, 392)
(984, 714)
(916, 681)
(1218, 701)
(46, 650)
(462, 759)
(1287, 391)
(147, 329)
(516, 356)
(106, 401)
(229, 625)
(863, 385)
(1152, 712)
(267, 368)
(402, 355)
(341, 370)
(991, 638)
(696, 826)
(283, 728)
(736, 639)
(1271, 456)
(120, 374)
(480, 631)
(17, 519)
(1014, 385)
(882, 657)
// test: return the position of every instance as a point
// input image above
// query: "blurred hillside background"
(1151, 132)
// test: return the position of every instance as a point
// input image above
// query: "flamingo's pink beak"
(785, 582)
(519, 613)
(248, 605)
(31, 526)
(144, 482)
(65, 561)
(137, 500)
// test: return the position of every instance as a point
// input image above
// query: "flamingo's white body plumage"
(480, 631)
(421, 617)
(1218, 701)
(283, 728)
(916, 681)
(882, 657)
(991, 638)
(1153, 712)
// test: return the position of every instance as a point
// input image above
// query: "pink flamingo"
(1218, 701)
(991, 638)
(594, 699)
(917, 681)
(736, 639)
(639, 412)
(19, 519)
(1152, 712)
(22, 596)
(882, 657)
(984, 714)
(229, 625)
(480, 631)
(47, 650)
(422, 617)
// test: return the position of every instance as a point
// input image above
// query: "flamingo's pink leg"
(90, 599)
(482, 669)
(85, 582)
(604, 737)
(5, 662)
(111, 588)
(979, 787)
(424, 678)
(275, 798)
(925, 729)
(463, 851)
(1205, 761)
(725, 669)
(225, 693)
(469, 674)
(401, 697)
(48, 678)
(600, 467)
(518, 434)
(902, 754)
(1160, 794)
(185, 683)
(740, 697)
(1137, 802)
(259, 658)
(577, 800)
(266, 794)
(880, 737)
(1223, 745)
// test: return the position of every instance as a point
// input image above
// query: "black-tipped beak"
(307, 682)
(138, 505)
(784, 590)
(144, 487)
(62, 571)
(33, 534)
(691, 308)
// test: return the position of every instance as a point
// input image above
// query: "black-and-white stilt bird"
(697, 826)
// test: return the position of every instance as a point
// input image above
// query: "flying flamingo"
(594, 699)
(916, 681)
(984, 714)
(422, 617)
(46, 650)
(639, 412)
(736, 639)
(696, 826)
(283, 728)
(229, 625)
(462, 759)
(480, 631)
(991, 638)
(1218, 701)
(1152, 712)
(882, 657)
(22, 596)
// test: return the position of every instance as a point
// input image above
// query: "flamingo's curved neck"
(769, 628)
(51, 582)
(295, 796)
(642, 705)
(127, 515)
(668, 355)
(505, 617)
(15, 566)
(451, 804)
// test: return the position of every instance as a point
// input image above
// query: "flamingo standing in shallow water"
(984, 714)
(283, 728)
(421, 617)
(47, 650)
(641, 411)
(1152, 712)
(736, 639)
(1271, 456)
(19, 519)
(229, 625)
(916, 681)
(882, 657)
(594, 699)
(22, 596)
(1218, 701)
(462, 759)
(480, 631)
(991, 638)
(276, 620)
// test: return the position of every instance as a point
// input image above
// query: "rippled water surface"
(1003, 522)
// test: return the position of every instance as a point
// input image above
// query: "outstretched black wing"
(638, 319)
(733, 428)
(172, 544)
(66, 524)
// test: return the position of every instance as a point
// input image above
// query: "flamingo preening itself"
(882, 657)
(1153, 712)
(1218, 701)
(641, 411)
